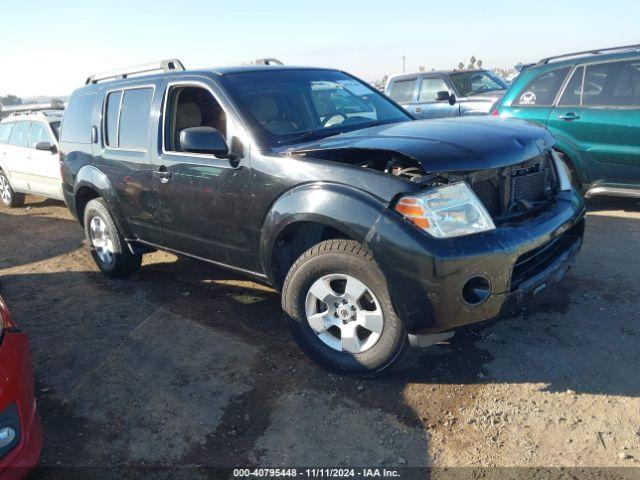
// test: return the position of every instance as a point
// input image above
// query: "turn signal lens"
(449, 211)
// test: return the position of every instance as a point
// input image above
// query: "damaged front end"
(509, 194)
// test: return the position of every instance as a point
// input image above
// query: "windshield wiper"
(308, 135)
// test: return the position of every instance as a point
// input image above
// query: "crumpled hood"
(457, 144)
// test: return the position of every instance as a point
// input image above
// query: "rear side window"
(76, 125)
(38, 134)
(402, 90)
(127, 118)
(5, 132)
(20, 134)
(613, 84)
(429, 87)
(111, 112)
(542, 90)
(573, 90)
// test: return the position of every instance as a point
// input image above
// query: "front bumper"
(426, 276)
(16, 393)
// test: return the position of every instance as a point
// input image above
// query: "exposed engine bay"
(507, 193)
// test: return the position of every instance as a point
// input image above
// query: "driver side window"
(191, 106)
(430, 87)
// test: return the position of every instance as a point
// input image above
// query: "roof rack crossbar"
(170, 65)
(589, 52)
(267, 61)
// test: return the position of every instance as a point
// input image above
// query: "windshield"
(476, 82)
(289, 106)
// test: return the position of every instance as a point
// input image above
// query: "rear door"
(18, 156)
(426, 105)
(599, 112)
(5, 134)
(44, 164)
(124, 156)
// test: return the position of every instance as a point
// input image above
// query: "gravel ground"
(191, 366)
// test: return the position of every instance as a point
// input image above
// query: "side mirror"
(443, 95)
(204, 140)
(46, 146)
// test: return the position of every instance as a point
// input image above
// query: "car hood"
(459, 144)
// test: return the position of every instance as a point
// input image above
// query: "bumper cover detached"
(427, 277)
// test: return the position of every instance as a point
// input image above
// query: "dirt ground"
(187, 365)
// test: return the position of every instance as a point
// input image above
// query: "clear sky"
(50, 47)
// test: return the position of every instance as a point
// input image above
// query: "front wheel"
(9, 198)
(339, 309)
(108, 247)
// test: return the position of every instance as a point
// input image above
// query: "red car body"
(17, 402)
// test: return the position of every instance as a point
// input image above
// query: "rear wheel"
(339, 309)
(8, 197)
(108, 247)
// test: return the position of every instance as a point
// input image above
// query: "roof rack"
(590, 52)
(173, 64)
(267, 61)
(28, 109)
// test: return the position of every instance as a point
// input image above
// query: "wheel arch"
(573, 157)
(309, 214)
(92, 183)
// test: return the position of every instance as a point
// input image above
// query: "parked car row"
(380, 230)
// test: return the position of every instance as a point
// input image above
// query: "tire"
(108, 247)
(8, 197)
(330, 342)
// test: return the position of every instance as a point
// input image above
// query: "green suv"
(590, 102)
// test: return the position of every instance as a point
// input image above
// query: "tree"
(10, 100)
(57, 103)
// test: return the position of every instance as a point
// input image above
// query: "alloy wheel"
(5, 190)
(344, 313)
(101, 240)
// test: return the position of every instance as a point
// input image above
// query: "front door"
(599, 112)
(44, 176)
(427, 105)
(535, 101)
(204, 202)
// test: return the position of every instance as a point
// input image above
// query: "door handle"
(569, 116)
(163, 174)
(418, 110)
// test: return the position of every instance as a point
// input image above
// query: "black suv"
(376, 228)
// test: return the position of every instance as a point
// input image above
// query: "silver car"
(447, 93)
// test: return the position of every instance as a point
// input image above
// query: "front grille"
(516, 190)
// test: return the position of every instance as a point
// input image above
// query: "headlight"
(450, 211)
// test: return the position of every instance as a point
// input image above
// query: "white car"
(29, 159)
